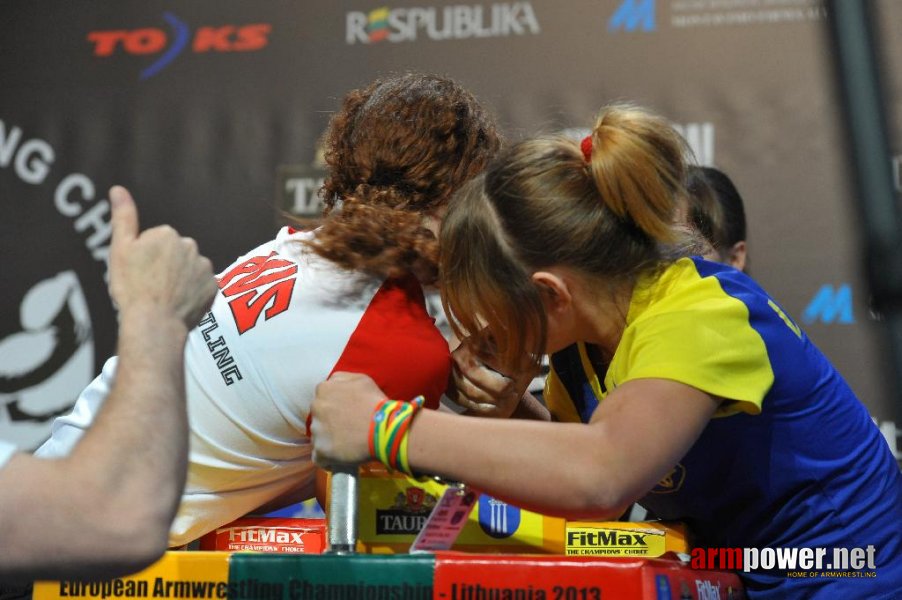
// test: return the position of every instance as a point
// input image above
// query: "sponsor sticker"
(608, 541)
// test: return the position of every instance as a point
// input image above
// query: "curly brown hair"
(396, 152)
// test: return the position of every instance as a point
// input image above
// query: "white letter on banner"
(70, 182)
(356, 28)
(8, 143)
(34, 171)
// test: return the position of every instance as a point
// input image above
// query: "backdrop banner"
(211, 112)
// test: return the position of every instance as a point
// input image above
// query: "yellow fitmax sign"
(609, 541)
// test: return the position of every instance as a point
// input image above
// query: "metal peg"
(342, 510)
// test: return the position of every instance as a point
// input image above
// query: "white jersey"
(283, 321)
(7, 450)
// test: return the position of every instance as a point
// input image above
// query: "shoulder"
(700, 324)
(396, 342)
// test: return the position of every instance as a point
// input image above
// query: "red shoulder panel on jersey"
(397, 344)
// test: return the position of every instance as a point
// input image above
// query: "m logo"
(633, 15)
(830, 305)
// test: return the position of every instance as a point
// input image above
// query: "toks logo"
(151, 40)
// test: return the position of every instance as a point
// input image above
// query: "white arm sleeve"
(6, 452)
(68, 429)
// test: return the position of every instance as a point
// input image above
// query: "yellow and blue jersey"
(791, 458)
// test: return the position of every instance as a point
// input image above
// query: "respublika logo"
(633, 15)
(830, 305)
(456, 22)
(153, 40)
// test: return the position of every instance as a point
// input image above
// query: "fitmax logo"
(830, 305)
(152, 40)
(633, 15)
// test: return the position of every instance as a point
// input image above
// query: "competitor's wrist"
(388, 432)
(150, 334)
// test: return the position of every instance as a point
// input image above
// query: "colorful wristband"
(389, 429)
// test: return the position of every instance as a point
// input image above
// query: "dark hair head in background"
(716, 209)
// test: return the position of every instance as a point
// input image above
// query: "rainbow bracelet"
(388, 432)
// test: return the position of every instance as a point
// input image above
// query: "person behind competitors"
(717, 211)
(104, 510)
(690, 389)
(347, 296)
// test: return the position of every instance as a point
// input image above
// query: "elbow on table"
(129, 533)
(133, 549)
(597, 501)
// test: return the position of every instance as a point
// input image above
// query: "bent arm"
(568, 469)
(105, 510)
(531, 408)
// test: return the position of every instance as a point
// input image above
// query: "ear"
(738, 256)
(554, 291)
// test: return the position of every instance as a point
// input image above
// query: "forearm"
(569, 469)
(554, 469)
(144, 420)
(116, 494)
(530, 408)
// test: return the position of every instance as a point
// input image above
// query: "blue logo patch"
(498, 519)
(662, 585)
(830, 305)
(633, 15)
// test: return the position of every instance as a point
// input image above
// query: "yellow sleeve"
(710, 346)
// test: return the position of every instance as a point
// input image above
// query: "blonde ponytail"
(606, 209)
(638, 166)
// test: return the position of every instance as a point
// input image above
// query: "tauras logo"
(399, 522)
(408, 514)
(456, 22)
